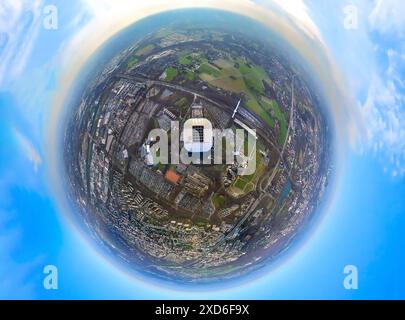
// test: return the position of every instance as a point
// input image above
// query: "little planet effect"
(198, 152)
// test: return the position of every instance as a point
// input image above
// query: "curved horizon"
(331, 94)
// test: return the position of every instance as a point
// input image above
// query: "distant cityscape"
(196, 222)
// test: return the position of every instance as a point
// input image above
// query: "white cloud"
(385, 123)
(299, 11)
(29, 150)
(20, 22)
(384, 108)
(13, 275)
(388, 17)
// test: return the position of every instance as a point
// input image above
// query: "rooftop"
(172, 177)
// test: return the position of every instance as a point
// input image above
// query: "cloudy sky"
(363, 43)
(375, 40)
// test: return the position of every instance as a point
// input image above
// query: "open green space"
(186, 246)
(272, 107)
(240, 76)
(218, 200)
(253, 76)
(190, 75)
(246, 184)
(132, 61)
(145, 50)
(260, 111)
(210, 70)
(240, 184)
(185, 60)
(171, 73)
(201, 222)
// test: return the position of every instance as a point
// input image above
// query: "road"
(246, 116)
(262, 194)
(251, 119)
(290, 125)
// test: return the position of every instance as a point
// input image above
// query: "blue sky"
(364, 225)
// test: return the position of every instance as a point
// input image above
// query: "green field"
(209, 70)
(218, 200)
(260, 111)
(240, 76)
(249, 188)
(201, 222)
(240, 183)
(186, 246)
(185, 60)
(171, 73)
(190, 75)
(132, 61)
(253, 76)
(272, 107)
(246, 184)
(145, 50)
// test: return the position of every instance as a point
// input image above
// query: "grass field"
(258, 109)
(272, 107)
(171, 73)
(237, 75)
(201, 222)
(185, 60)
(210, 70)
(132, 61)
(145, 50)
(190, 75)
(246, 184)
(218, 200)
(253, 75)
(242, 185)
